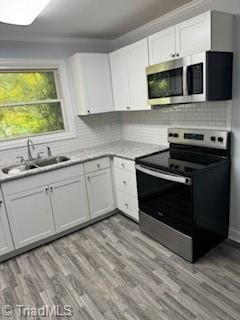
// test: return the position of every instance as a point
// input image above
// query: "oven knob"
(213, 139)
(176, 135)
(220, 139)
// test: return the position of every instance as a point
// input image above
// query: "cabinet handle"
(126, 205)
(51, 189)
(122, 165)
(177, 54)
(46, 189)
(173, 55)
(128, 108)
(89, 111)
(125, 182)
(98, 165)
(1, 202)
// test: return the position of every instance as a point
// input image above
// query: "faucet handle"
(21, 158)
(49, 152)
(39, 155)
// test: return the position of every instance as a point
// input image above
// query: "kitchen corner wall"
(151, 126)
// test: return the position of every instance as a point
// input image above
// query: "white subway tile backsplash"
(92, 130)
(151, 126)
(143, 126)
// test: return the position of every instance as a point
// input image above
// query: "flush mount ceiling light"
(21, 12)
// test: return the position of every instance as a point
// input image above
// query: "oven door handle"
(165, 176)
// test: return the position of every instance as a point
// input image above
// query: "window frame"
(63, 92)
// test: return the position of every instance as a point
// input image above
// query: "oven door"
(166, 197)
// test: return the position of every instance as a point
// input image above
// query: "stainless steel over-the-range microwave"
(201, 77)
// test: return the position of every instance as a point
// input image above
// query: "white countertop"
(125, 149)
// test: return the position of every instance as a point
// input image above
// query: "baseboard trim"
(234, 235)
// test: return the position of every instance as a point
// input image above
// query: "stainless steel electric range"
(184, 191)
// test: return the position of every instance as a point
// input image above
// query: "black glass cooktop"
(179, 161)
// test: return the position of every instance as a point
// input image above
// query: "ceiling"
(106, 19)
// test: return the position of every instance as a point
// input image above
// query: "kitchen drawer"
(124, 164)
(126, 181)
(97, 164)
(128, 204)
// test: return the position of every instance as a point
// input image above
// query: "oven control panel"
(199, 137)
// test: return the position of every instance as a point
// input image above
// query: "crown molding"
(55, 40)
(161, 22)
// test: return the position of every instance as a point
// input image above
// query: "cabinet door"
(119, 79)
(100, 192)
(69, 202)
(162, 46)
(194, 35)
(30, 215)
(6, 244)
(137, 61)
(92, 83)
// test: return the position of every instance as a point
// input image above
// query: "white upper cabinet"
(162, 46)
(210, 30)
(194, 35)
(119, 79)
(91, 83)
(128, 67)
(137, 61)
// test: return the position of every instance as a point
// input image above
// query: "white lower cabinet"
(6, 244)
(69, 203)
(40, 206)
(100, 192)
(126, 187)
(128, 204)
(30, 216)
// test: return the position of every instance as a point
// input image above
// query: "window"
(29, 104)
(34, 102)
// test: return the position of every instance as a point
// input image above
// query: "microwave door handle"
(165, 176)
(185, 80)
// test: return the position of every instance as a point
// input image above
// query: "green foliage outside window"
(28, 104)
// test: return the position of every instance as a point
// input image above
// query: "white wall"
(235, 193)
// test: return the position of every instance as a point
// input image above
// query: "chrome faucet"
(29, 145)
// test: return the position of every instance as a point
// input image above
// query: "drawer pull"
(126, 205)
(46, 189)
(98, 165)
(125, 183)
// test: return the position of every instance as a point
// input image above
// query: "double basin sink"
(38, 163)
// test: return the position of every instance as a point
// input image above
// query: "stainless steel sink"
(39, 163)
(19, 168)
(50, 161)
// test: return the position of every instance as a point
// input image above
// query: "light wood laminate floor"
(112, 271)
